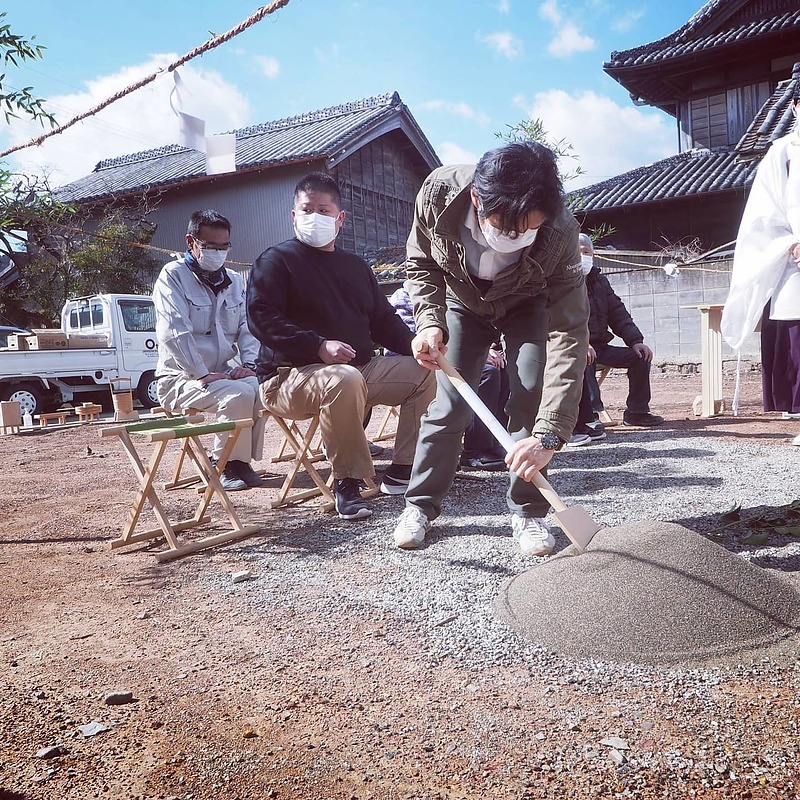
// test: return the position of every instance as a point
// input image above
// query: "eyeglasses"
(211, 245)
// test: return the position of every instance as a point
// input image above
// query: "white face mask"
(587, 262)
(503, 242)
(315, 230)
(212, 260)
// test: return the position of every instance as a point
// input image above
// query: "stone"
(119, 698)
(51, 752)
(92, 729)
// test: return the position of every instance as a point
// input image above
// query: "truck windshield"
(138, 315)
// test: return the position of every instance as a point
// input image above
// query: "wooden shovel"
(574, 521)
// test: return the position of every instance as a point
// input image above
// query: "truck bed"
(58, 363)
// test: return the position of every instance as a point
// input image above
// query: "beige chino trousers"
(342, 394)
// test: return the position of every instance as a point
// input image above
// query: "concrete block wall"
(656, 302)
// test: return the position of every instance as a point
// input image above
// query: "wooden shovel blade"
(578, 525)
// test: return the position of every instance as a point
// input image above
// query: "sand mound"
(653, 593)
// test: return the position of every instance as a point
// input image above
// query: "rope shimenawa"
(257, 16)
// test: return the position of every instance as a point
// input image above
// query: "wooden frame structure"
(160, 432)
(304, 449)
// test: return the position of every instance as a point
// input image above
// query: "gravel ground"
(346, 668)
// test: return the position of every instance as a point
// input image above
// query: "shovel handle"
(497, 430)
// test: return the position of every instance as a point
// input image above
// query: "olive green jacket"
(436, 267)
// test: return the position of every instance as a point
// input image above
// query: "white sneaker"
(411, 528)
(580, 439)
(532, 535)
(796, 440)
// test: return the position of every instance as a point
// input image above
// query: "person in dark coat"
(608, 318)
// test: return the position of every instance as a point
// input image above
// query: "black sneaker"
(348, 500)
(488, 462)
(594, 433)
(244, 471)
(375, 450)
(396, 479)
(230, 480)
(644, 420)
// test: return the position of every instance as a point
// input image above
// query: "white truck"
(41, 380)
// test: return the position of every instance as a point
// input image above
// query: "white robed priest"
(766, 269)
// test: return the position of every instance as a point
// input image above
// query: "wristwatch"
(550, 441)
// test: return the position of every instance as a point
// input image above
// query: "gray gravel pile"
(651, 592)
(446, 591)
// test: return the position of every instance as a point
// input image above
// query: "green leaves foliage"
(759, 526)
(16, 103)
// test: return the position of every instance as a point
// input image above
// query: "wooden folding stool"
(603, 415)
(300, 448)
(177, 481)
(160, 432)
(392, 412)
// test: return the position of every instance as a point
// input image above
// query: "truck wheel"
(27, 395)
(147, 390)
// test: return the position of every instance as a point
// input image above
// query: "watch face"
(550, 441)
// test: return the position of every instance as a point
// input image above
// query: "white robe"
(762, 266)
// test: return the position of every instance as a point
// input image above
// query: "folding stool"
(299, 447)
(392, 412)
(603, 415)
(160, 432)
(178, 482)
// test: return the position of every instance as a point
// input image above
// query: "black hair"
(319, 182)
(513, 180)
(207, 219)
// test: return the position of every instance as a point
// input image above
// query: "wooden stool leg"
(146, 493)
(302, 460)
(382, 435)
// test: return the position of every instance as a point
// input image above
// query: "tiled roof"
(715, 25)
(772, 121)
(723, 32)
(319, 134)
(698, 171)
(685, 174)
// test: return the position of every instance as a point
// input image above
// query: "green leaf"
(757, 538)
(733, 514)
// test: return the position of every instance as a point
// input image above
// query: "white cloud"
(607, 138)
(624, 22)
(139, 121)
(569, 40)
(459, 109)
(550, 11)
(451, 153)
(269, 66)
(504, 43)
(503, 6)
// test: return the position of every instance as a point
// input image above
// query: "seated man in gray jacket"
(206, 352)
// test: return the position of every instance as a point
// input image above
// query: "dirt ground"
(232, 700)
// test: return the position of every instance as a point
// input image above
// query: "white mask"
(315, 230)
(503, 242)
(587, 262)
(212, 260)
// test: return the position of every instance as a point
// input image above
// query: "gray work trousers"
(524, 331)
(233, 398)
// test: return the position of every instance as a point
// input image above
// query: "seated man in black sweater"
(318, 312)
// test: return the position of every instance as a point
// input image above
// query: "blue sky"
(465, 68)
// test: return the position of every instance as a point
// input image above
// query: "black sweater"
(298, 296)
